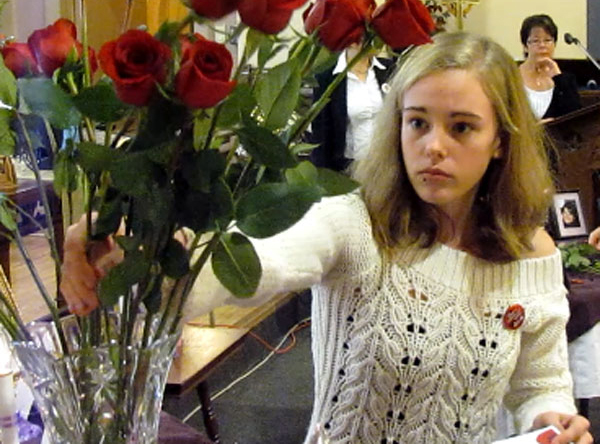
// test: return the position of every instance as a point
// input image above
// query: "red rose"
(213, 8)
(401, 23)
(268, 16)
(135, 62)
(203, 79)
(19, 59)
(338, 22)
(51, 45)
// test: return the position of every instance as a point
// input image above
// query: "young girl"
(437, 297)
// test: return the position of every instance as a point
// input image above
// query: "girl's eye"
(417, 123)
(462, 127)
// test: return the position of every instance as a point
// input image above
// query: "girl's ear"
(497, 154)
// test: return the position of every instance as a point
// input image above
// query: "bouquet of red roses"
(156, 147)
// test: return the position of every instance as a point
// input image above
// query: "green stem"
(319, 104)
(44, 198)
(87, 76)
(50, 303)
(12, 321)
(194, 272)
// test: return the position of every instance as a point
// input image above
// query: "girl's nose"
(435, 145)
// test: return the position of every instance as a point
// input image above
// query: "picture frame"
(567, 215)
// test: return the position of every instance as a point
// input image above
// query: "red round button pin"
(514, 316)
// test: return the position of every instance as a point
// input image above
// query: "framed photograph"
(568, 215)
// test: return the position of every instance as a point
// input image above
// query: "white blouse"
(539, 100)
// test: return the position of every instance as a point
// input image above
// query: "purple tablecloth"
(173, 431)
(584, 302)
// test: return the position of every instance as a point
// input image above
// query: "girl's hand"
(574, 428)
(594, 238)
(83, 266)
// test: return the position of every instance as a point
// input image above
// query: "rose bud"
(339, 23)
(401, 23)
(203, 79)
(51, 45)
(268, 16)
(19, 59)
(213, 9)
(135, 62)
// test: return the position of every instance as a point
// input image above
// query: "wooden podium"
(577, 137)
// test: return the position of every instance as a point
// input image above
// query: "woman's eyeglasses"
(538, 42)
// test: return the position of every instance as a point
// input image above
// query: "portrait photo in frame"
(568, 215)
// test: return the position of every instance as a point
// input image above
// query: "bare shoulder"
(543, 245)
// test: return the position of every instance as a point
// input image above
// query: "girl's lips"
(434, 173)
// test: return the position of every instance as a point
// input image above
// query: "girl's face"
(449, 136)
(567, 216)
(540, 44)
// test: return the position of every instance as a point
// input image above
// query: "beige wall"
(501, 20)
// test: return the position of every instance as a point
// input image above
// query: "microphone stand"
(569, 39)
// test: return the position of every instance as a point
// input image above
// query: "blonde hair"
(515, 191)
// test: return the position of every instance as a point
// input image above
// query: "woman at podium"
(551, 92)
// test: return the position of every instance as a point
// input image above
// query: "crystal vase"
(107, 393)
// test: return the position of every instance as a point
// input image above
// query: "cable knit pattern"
(415, 351)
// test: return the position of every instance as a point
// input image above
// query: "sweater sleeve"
(294, 259)
(541, 381)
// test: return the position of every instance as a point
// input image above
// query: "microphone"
(571, 40)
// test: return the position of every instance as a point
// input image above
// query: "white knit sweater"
(415, 351)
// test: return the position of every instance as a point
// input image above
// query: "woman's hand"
(594, 238)
(573, 428)
(547, 66)
(83, 265)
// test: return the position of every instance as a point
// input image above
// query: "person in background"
(551, 92)
(569, 214)
(344, 127)
(437, 297)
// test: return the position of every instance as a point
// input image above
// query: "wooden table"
(28, 198)
(204, 348)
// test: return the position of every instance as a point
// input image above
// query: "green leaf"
(7, 138)
(304, 174)
(95, 158)
(254, 40)
(122, 277)
(201, 169)
(66, 172)
(134, 174)
(325, 60)
(100, 103)
(303, 148)
(8, 85)
(236, 265)
(277, 93)
(49, 101)
(110, 215)
(8, 216)
(271, 208)
(128, 243)
(175, 260)
(239, 103)
(8, 95)
(264, 146)
(265, 52)
(333, 183)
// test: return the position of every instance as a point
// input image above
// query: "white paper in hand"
(539, 436)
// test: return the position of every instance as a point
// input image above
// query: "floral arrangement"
(170, 135)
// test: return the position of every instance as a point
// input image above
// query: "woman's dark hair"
(538, 21)
(571, 206)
